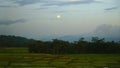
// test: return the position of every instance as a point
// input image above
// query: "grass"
(20, 58)
(59, 61)
(14, 50)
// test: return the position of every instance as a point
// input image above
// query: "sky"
(40, 19)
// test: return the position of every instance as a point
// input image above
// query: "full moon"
(58, 16)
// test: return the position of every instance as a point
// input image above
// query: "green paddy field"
(20, 58)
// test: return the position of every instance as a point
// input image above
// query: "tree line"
(97, 46)
(56, 46)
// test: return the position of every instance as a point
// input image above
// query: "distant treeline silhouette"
(96, 45)
(64, 47)
(14, 41)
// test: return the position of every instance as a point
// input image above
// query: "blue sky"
(38, 18)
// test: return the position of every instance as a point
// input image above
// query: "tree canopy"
(56, 46)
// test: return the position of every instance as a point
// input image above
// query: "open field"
(14, 50)
(59, 61)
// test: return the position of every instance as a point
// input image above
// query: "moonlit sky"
(55, 18)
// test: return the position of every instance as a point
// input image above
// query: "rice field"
(11, 50)
(59, 61)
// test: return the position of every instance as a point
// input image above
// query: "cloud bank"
(48, 3)
(9, 22)
(52, 2)
(107, 31)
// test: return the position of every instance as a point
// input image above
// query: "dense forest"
(96, 45)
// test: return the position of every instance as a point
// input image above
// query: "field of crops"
(59, 61)
(14, 50)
